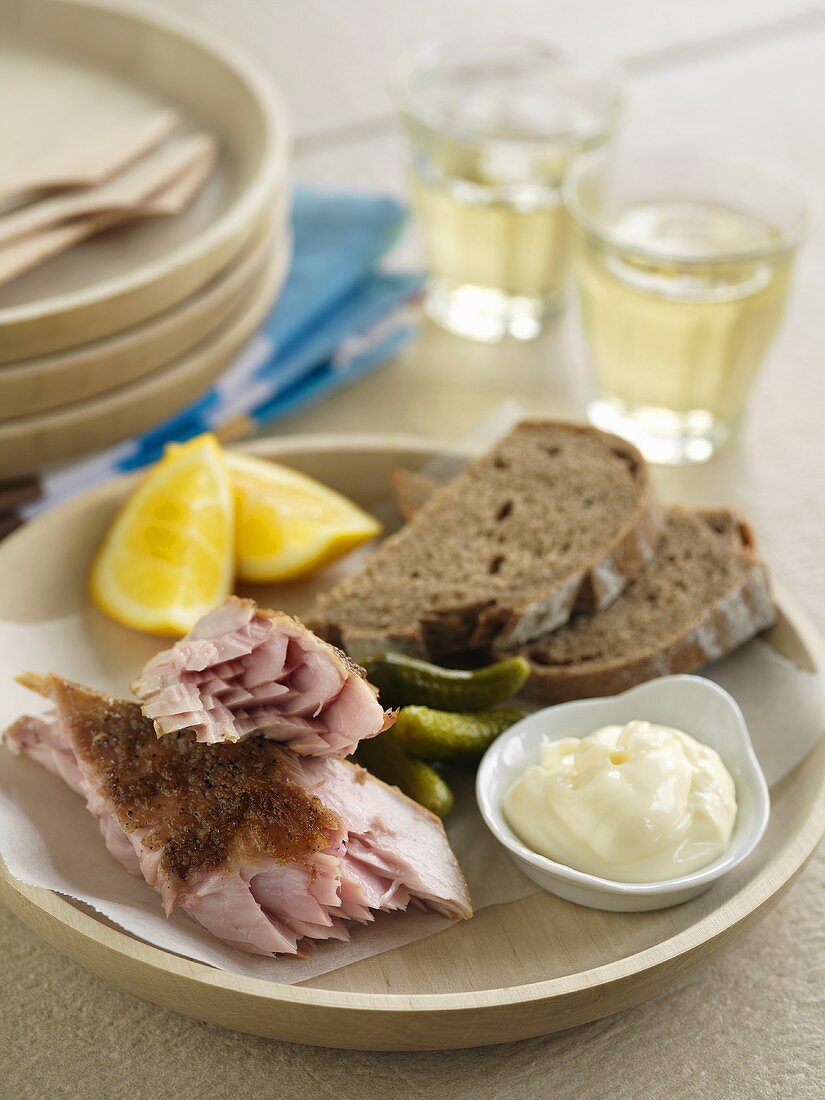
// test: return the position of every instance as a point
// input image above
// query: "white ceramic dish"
(689, 703)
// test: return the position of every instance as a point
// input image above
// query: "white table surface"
(754, 1022)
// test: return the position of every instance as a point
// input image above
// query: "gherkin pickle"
(385, 758)
(404, 681)
(450, 737)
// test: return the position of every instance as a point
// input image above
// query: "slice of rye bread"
(704, 594)
(556, 518)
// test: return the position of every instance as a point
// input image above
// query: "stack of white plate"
(127, 328)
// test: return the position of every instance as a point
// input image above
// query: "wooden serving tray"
(526, 968)
(68, 61)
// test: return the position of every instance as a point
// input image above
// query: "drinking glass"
(493, 125)
(683, 260)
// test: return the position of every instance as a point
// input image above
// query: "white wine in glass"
(683, 279)
(493, 126)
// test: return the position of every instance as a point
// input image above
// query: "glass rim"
(411, 60)
(787, 240)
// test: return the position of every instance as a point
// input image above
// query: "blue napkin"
(338, 240)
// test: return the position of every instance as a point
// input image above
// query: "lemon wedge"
(288, 524)
(168, 557)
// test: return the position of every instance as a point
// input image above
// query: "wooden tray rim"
(244, 318)
(270, 235)
(135, 355)
(766, 885)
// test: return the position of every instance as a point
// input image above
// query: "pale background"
(753, 1024)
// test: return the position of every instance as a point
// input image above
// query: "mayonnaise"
(634, 803)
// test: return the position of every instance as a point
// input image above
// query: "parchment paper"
(48, 839)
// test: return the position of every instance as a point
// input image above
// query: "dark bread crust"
(502, 616)
(734, 616)
(411, 489)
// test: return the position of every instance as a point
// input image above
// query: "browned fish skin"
(202, 804)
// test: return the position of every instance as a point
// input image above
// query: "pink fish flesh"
(242, 671)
